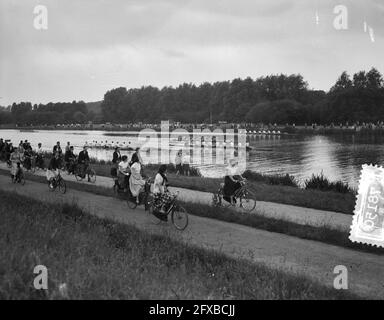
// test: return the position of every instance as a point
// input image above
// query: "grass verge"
(91, 258)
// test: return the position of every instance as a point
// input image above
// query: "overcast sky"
(92, 46)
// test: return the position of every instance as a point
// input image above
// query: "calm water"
(338, 157)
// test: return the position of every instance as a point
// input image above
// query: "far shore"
(259, 130)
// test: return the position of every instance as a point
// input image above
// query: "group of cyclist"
(25, 157)
(133, 180)
(20, 156)
(130, 172)
(71, 161)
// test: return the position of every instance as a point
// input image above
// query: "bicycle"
(70, 166)
(80, 175)
(18, 178)
(57, 182)
(39, 162)
(144, 197)
(240, 197)
(30, 163)
(179, 215)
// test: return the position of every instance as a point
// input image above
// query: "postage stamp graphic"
(368, 220)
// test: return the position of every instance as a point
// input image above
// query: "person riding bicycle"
(39, 156)
(136, 155)
(116, 157)
(136, 181)
(232, 182)
(2, 150)
(28, 156)
(125, 171)
(8, 151)
(67, 147)
(83, 162)
(53, 168)
(70, 159)
(57, 149)
(160, 192)
(16, 165)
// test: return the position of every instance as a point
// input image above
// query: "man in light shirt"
(125, 171)
(39, 156)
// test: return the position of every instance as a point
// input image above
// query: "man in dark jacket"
(69, 159)
(83, 161)
(116, 157)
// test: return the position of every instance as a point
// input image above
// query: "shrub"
(277, 179)
(320, 182)
(193, 172)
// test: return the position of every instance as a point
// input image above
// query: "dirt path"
(308, 258)
(300, 215)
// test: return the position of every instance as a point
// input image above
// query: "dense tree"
(272, 99)
(374, 79)
(342, 83)
(24, 113)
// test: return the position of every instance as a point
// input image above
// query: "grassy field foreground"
(99, 259)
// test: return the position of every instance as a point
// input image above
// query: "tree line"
(277, 99)
(24, 113)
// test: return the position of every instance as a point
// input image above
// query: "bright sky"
(92, 46)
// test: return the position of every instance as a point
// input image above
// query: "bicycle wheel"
(215, 200)
(131, 201)
(154, 219)
(51, 186)
(225, 203)
(248, 204)
(62, 186)
(179, 217)
(78, 175)
(92, 176)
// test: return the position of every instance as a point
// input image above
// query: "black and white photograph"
(191, 154)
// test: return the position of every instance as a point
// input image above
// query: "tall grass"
(90, 258)
(276, 179)
(320, 182)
